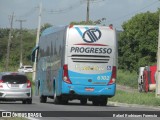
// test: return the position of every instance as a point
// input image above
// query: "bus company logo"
(91, 35)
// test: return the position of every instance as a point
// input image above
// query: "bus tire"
(103, 102)
(64, 102)
(38, 87)
(95, 102)
(83, 101)
(43, 99)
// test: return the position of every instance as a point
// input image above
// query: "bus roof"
(52, 29)
(61, 27)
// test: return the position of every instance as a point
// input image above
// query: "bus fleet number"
(103, 78)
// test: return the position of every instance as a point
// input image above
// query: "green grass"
(11, 68)
(136, 98)
(127, 78)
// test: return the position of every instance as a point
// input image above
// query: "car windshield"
(16, 79)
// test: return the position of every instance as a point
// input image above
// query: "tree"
(138, 42)
(28, 44)
(97, 22)
(83, 23)
(45, 26)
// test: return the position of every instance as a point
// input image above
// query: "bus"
(76, 62)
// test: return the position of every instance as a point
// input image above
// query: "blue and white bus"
(76, 62)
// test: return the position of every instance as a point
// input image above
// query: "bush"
(127, 78)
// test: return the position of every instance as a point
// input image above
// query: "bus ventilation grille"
(90, 58)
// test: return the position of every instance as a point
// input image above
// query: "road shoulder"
(133, 105)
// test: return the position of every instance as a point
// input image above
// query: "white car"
(26, 68)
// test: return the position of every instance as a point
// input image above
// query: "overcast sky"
(62, 12)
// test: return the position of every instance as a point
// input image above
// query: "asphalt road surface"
(75, 111)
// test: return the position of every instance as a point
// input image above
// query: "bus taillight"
(65, 74)
(113, 78)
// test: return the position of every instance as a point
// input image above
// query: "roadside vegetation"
(137, 48)
(127, 78)
(138, 42)
(136, 98)
(130, 79)
(29, 37)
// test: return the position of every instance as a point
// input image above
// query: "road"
(74, 109)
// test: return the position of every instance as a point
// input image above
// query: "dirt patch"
(126, 88)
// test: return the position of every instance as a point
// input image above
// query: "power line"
(133, 12)
(30, 12)
(95, 1)
(73, 6)
(67, 9)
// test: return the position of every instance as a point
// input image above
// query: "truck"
(147, 78)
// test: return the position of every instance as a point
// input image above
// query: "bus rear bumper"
(83, 90)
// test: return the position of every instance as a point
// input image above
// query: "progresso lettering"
(90, 50)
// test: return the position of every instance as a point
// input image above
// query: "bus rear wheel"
(95, 102)
(100, 101)
(103, 102)
(43, 99)
(83, 101)
(64, 102)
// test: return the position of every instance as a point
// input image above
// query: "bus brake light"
(65, 74)
(113, 77)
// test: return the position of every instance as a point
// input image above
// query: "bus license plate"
(89, 89)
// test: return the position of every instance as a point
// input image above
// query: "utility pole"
(37, 41)
(9, 40)
(87, 16)
(158, 65)
(21, 44)
(88, 9)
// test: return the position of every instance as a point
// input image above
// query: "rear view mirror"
(35, 54)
